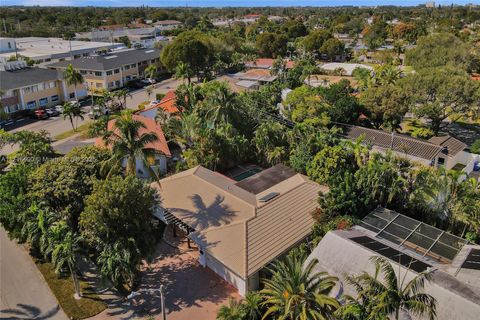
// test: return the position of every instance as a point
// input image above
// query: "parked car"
(154, 103)
(52, 112)
(149, 81)
(59, 108)
(41, 114)
(97, 111)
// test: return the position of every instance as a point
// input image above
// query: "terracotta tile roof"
(267, 63)
(399, 143)
(160, 145)
(168, 103)
(451, 146)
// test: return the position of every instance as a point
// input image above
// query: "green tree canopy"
(271, 45)
(315, 40)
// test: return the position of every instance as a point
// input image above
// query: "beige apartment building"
(33, 88)
(112, 70)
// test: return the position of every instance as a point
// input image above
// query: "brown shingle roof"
(396, 142)
(451, 146)
(232, 224)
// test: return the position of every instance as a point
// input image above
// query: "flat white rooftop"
(38, 48)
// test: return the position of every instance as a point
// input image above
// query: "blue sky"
(224, 3)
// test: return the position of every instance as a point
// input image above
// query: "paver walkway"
(24, 294)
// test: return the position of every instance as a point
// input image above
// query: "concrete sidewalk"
(24, 294)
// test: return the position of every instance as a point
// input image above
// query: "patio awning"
(172, 220)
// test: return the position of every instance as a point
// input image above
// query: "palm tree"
(183, 71)
(36, 228)
(126, 141)
(234, 311)
(117, 263)
(72, 111)
(122, 95)
(64, 254)
(150, 71)
(295, 292)
(394, 297)
(149, 91)
(72, 78)
(220, 105)
(251, 306)
(184, 130)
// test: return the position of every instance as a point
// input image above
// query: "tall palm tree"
(117, 263)
(392, 296)
(234, 311)
(126, 141)
(72, 77)
(72, 111)
(221, 105)
(122, 95)
(64, 255)
(183, 71)
(295, 292)
(36, 228)
(184, 130)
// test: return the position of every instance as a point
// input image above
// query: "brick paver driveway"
(191, 291)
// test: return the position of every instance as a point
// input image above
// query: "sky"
(225, 3)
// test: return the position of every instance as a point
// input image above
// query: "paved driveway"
(191, 291)
(24, 294)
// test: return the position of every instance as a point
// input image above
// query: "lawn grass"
(62, 287)
(82, 130)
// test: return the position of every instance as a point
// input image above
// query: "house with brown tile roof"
(240, 227)
(162, 152)
(267, 63)
(414, 149)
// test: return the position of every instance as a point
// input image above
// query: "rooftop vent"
(269, 197)
(111, 57)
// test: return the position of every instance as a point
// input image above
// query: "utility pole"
(162, 302)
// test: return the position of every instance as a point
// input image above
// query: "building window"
(117, 70)
(43, 102)
(133, 65)
(110, 84)
(54, 98)
(127, 78)
(126, 67)
(98, 73)
(76, 56)
(109, 73)
(83, 71)
(98, 85)
(9, 45)
(72, 95)
(117, 83)
(31, 104)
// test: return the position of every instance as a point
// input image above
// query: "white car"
(59, 108)
(154, 103)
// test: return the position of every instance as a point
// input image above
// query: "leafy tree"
(332, 48)
(295, 292)
(127, 142)
(63, 185)
(36, 226)
(72, 111)
(375, 34)
(294, 29)
(441, 93)
(271, 45)
(439, 50)
(385, 105)
(192, 48)
(14, 200)
(392, 297)
(219, 103)
(34, 147)
(315, 40)
(342, 106)
(331, 161)
(305, 104)
(475, 147)
(126, 41)
(251, 305)
(118, 222)
(73, 78)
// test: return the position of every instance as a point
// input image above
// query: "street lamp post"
(162, 301)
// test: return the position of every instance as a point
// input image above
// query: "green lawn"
(83, 129)
(62, 288)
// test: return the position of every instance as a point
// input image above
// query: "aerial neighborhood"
(240, 161)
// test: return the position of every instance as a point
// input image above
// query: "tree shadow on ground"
(26, 311)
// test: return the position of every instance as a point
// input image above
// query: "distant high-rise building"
(430, 4)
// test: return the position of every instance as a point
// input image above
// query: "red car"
(41, 114)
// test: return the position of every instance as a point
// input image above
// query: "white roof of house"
(348, 67)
